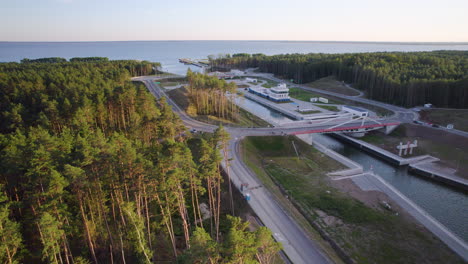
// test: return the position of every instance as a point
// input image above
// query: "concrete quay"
(431, 171)
(368, 181)
(420, 165)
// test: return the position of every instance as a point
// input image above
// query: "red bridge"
(350, 129)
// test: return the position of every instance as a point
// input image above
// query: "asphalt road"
(401, 114)
(297, 245)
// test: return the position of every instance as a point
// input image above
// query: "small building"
(427, 105)
(251, 80)
(356, 111)
(323, 100)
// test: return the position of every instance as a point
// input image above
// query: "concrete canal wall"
(415, 164)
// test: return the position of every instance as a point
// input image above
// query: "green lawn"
(443, 117)
(268, 85)
(169, 84)
(309, 112)
(328, 107)
(367, 234)
(304, 95)
(332, 85)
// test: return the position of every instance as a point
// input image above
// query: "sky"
(313, 20)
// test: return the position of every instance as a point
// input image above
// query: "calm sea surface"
(168, 52)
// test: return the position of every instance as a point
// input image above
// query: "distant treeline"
(58, 60)
(134, 67)
(402, 78)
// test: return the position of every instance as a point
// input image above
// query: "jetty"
(198, 63)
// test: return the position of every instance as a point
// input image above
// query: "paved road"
(297, 245)
(401, 114)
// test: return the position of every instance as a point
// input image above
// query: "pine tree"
(10, 235)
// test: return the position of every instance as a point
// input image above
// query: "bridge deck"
(336, 129)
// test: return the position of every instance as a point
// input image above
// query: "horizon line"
(246, 40)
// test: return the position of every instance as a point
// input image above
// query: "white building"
(323, 100)
(355, 110)
(282, 86)
(319, 99)
(279, 93)
(251, 80)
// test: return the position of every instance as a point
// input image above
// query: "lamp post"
(289, 192)
(458, 161)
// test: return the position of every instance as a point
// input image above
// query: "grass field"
(329, 107)
(268, 85)
(304, 95)
(246, 119)
(169, 84)
(458, 117)
(332, 85)
(308, 112)
(368, 235)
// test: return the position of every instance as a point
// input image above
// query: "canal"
(447, 205)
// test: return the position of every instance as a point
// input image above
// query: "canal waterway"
(447, 205)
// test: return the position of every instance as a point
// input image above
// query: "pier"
(198, 63)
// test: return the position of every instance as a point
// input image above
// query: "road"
(297, 245)
(401, 114)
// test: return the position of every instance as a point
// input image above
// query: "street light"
(459, 158)
(289, 197)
